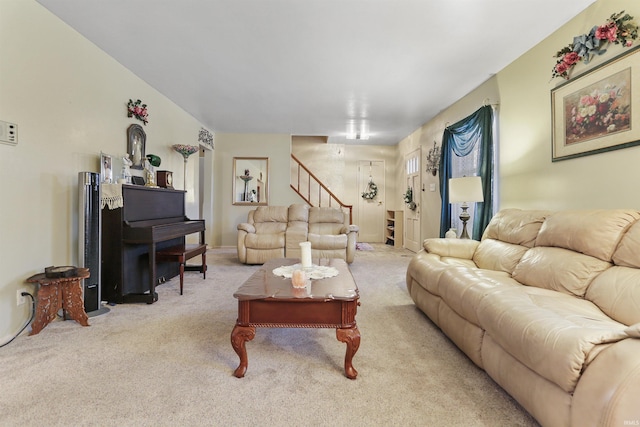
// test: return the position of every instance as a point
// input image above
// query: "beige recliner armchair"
(331, 235)
(262, 237)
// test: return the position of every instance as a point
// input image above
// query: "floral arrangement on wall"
(205, 137)
(619, 29)
(138, 110)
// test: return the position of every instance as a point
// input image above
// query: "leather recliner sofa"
(548, 304)
(276, 232)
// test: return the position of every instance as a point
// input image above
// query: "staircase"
(312, 191)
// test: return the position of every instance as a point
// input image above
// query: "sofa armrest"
(455, 248)
(245, 226)
(349, 229)
(607, 392)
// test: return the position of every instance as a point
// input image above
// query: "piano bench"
(182, 253)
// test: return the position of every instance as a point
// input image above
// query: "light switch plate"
(8, 133)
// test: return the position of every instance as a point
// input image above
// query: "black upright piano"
(150, 219)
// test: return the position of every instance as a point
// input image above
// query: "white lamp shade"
(465, 189)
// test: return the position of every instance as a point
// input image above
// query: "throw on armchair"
(331, 235)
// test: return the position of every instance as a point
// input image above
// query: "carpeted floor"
(171, 364)
(362, 246)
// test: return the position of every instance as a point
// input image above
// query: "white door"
(371, 211)
(412, 216)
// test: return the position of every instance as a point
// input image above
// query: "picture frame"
(596, 111)
(136, 145)
(106, 168)
(137, 180)
(250, 181)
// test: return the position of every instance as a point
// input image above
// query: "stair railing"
(312, 190)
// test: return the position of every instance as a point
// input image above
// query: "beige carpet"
(171, 364)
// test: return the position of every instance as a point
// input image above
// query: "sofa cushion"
(594, 232)
(555, 335)
(558, 269)
(326, 241)
(617, 293)
(427, 269)
(496, 255)
(326, 214)
(326, 220)
(515, 226)
(299, 212)
(270, 227)
(264, 241)
(271, 214)
(462, 289)
(628, 252)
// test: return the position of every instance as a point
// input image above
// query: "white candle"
(305, 254)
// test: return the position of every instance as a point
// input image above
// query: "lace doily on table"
(314, 272)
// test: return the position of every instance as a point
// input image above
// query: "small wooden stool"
(182, 253)
(59, 293)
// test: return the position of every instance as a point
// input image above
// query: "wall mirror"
(251, 181)
(136, 142)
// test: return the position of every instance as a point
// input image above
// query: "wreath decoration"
(371, 191)
(408, 199)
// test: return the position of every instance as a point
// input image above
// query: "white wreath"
(371, 192)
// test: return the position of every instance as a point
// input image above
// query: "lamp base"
(464, 217)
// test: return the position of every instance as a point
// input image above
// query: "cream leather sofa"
(276, 232)
(548, 304)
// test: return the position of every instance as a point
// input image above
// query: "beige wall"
(336, 165)
(227, 216)
(528, 178)
(68, 99)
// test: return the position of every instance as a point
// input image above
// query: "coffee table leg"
(239, 336)
(351, 337)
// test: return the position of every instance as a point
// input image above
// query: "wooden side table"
(59, 293)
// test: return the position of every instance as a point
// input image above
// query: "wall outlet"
(19, 298)
(8, 133)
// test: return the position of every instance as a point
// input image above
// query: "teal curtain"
(460, 139)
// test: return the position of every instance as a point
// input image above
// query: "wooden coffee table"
(269, 301)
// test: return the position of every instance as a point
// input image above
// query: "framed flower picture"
(596, 111)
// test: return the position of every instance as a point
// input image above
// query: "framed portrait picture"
(136, 143)
(597, 111)
(106, 168)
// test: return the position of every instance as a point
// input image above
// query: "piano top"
(152, 215)
(158, 230)
(147, 203)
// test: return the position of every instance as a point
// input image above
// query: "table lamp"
(465, 190)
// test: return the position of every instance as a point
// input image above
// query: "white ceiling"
(310, 67)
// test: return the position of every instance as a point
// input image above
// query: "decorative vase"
(186, 151)
(451, 234)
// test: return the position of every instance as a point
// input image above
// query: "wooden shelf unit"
(393, 230)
